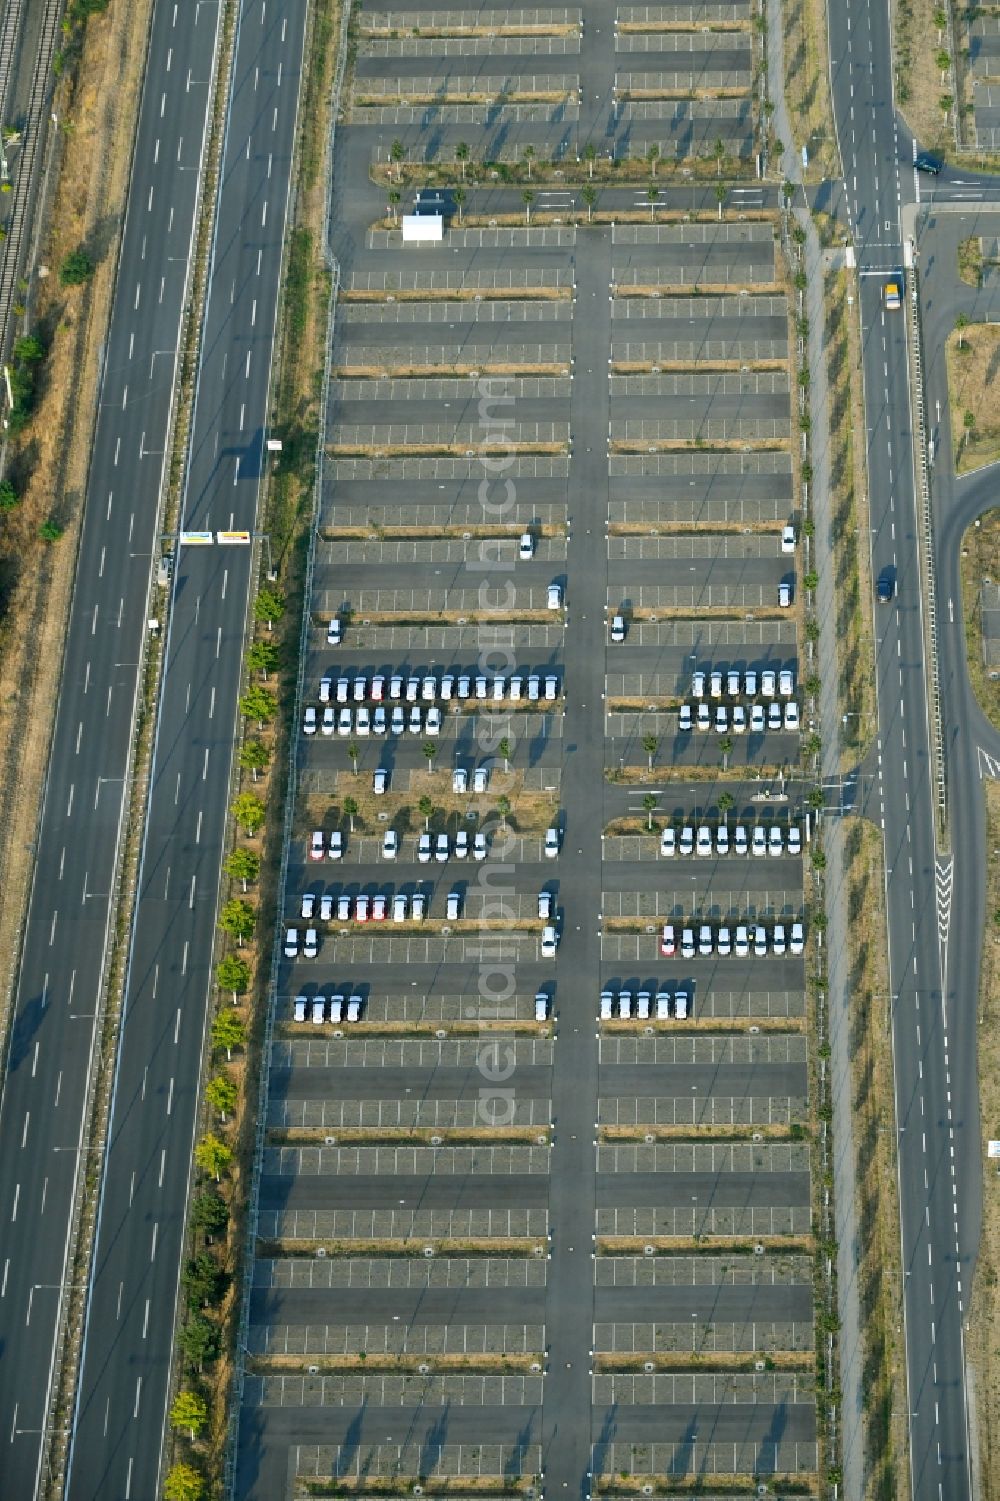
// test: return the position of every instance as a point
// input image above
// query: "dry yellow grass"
(807, 90)
(873, 1098)
(919, 85)
(983, 1326)
(973, 359)
(980, 560)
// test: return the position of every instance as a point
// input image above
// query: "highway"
(932, 977)
(45, 1084)
(119, 1420)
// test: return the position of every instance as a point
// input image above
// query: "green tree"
(397, 152)
(459, 197)
(649, 745)
(503, 808)
(8, 495)
(527, 198)
(183, 1482)
(238, 919)
(203, 1281)
(269, 606)
(462, 155)
(209, 1213)
(945, 104)
(77, 267)
(812, 745)
(652, 194)
(649, 803)
(28, 349)
(726, 747)
(354, 751)
(426, 809)
(189, 1413)
(943, 61)
(940, 21)
(818, 858)
(50, 530)
(590, 156)
(228, 1031)
(430, 751)
(720, 195)
(506, 750)
(263, 656)
(726, 801)
(652, 157)
(199, 1339)
(810, 579)
(961, 324)
(528, 154)
(222, 1094)
(212, 1156)
(258, 704)
(351, 811)
(719, 152)
(394, 198)
(248, 811)
(233, 974)
(589, 195)
(254, 757)
(816, 799)
(243, 865)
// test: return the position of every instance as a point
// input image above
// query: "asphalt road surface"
(120, 1415)
(45, 1087)
(938, 1128)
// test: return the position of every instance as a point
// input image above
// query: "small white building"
(423, 229)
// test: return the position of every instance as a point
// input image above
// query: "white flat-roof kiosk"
(423, 229)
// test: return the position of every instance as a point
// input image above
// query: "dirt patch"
(970, 261)
(547, 28)
(714, 1360)
(423, 1365)
(500, 1246)
(873, 1101)
(849, 521)
(334, 1487)
(973, 356)
(708, 1245)
(921, 86)
(704, 1133)
(737, 1484)
(485, 368)
(404, 1136)
(710, 1024)
(983, 1324)
(695, 367)
(807, 92)
(980, 561)
(438, 450)
(530, 812)
(459, 294)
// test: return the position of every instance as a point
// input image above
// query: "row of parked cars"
(773, 683)
(736, 721)
(743, 940)
(773, 840)
(401, 906)
(643, 1004)
(441, 847)
(378, 721)
(319, 1010)
(427, 688)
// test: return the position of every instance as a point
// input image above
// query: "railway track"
(23, 180)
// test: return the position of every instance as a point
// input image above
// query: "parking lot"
(526, 1152)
